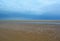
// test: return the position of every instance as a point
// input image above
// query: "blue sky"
(35, 8)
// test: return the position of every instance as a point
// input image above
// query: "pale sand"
(29, 32)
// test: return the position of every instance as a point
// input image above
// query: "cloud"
(36, 6)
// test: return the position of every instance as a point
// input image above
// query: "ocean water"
(31, 22)
(37, 22)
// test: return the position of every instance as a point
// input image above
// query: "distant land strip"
(29, 20)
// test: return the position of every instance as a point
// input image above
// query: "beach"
(11, 31)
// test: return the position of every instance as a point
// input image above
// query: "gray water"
(37, 22)
(31, 22)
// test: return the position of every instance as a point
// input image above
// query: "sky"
(38, 9)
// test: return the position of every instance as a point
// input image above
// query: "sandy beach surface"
(29, 32)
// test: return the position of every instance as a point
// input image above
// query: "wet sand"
(29, 32)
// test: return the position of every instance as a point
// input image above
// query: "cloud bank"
(30, 9)
(34, 6)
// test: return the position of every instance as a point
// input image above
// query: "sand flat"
(29, 32)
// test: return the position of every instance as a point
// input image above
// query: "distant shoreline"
(29, 20)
